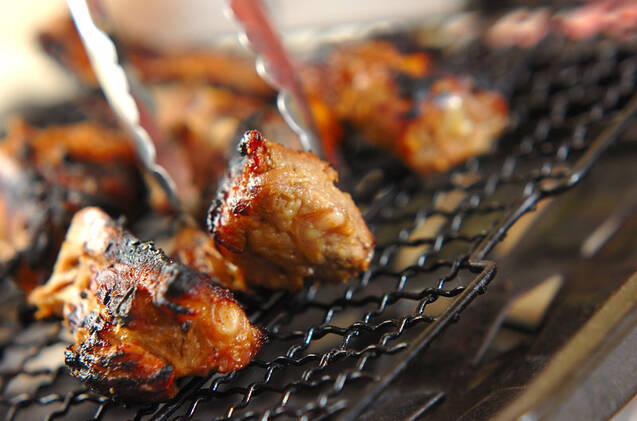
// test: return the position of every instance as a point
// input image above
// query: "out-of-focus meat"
(200, 122)
(280, 218)
(25, 232)
(62, 42)
(86, 158)
(455, 121)
(196, 121)
(47, 174)
(526, 27)
(218, 67)
(358, 83)
(616, 18)
(522, 27)
(140, 320)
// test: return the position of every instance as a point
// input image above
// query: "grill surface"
(333, 348)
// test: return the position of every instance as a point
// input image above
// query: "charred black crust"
(128, 388)
(250, 141)
(131, 252)
(178, 279)
(249, 138)
(213, 212)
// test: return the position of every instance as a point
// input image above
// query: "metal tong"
(273, 65)
(116, 86)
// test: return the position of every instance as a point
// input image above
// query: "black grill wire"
(332, 349)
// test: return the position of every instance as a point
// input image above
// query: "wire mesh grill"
(332, 348)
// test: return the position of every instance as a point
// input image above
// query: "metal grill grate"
(333, 348)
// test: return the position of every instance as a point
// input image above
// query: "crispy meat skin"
(140, 319)
(47, 174)
(359, 83)
(281, 219)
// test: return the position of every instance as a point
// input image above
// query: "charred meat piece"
(280, 218)
(49, 173)
(25, 226)
(86, 158)
(358, 83)
(140, 320)
(455, 122)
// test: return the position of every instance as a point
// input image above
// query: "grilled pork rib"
(140, 320)
(280, 218)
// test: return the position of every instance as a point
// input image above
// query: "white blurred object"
(26, 73)
(173, 24)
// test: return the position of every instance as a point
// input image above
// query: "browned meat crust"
(196, 248)
(140, 320)
(281, 219)
(46, 175)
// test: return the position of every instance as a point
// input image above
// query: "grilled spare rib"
(139, 319)
(49, 173)
(280, 218)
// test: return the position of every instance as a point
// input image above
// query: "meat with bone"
(139, 319)
(280, 218)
